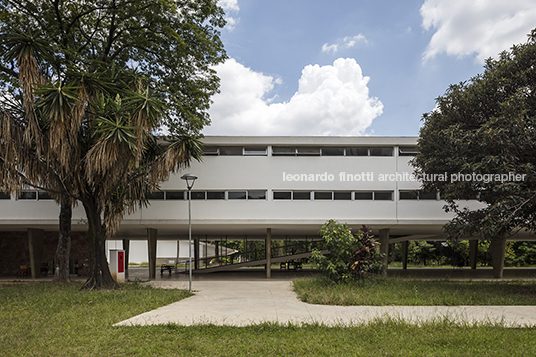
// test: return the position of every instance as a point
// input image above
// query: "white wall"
(263, 173)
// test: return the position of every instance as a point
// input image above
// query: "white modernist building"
(269, 188)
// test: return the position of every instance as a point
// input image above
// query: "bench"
(166, 267)
(291, 265)
(23, 272)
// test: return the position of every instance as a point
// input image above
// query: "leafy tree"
(86, 86)
(350, 256)
(523, 254)
(485, 130)
(421, 252)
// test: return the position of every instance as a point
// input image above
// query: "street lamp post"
(190, 180)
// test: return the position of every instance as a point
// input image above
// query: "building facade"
(266, 188)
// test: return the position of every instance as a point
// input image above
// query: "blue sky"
(353, 67)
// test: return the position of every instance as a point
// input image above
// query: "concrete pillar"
(126, 248)
(384, 247)
(405, 245)
(268, 245)
(35, 245)
(196, 253)
(473, 252)
(498, 250)
(205, 251)
(151, 248)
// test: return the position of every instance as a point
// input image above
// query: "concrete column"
(35, 245)
(268, 246)
(196, 253)
(384, 247)
(205, 251)
(473, 252)
(126, 248)
(405, 245)
(151, 247)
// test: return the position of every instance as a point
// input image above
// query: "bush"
(351, 256)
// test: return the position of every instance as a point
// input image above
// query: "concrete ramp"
(228, 267)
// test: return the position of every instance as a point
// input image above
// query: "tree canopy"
(87, 85)
(172, 42)
(482, 136)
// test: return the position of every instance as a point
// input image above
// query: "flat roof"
(311, 140)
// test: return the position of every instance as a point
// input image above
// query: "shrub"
(351, 256)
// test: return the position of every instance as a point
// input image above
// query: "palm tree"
(77, 122)
(91, 141)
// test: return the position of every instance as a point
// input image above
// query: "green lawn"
(396, 291)
(47, 320)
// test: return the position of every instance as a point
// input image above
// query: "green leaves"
(56, 101)
(20, 45)
(93, 139)
(486, 126)
(350, 256)
(112, 121)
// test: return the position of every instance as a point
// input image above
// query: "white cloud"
(330, 48)
(230, 6)
(331, 100)
(481, 28)
(347, 42)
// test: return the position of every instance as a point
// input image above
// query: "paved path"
(240, 303)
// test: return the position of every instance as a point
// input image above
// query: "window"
(283, 151)
(408, 195)
(158, 195)
(256, 151)
(236, 195)
(215, 195)
(332, 151)
(417, 195)
(308, 151)
(363, 195)
(427, 195)
(198, 195)
(357, 151)
(256, 195)
(210, 150)
(381, 151)
(301, 195)
(43, 196)
(407, 151)
(342, 195)
(175, 195)
(231, 150)
(235, 150)
(323, 195)
(383, 196)
(282, 195)
(4, 196)
(27, 195)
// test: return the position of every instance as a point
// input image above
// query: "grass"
(47, 320)
(395, 291)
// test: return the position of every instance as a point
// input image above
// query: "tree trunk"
(99, 272)
(498, 250)
(63, 251)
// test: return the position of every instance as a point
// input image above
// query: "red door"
(120, 262)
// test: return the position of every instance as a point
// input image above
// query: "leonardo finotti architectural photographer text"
(402, 177)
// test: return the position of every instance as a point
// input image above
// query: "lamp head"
(190, 179)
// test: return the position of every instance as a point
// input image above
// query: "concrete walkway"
(246, 302)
